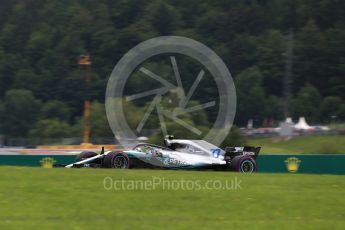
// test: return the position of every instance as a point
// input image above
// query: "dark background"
(42, 87)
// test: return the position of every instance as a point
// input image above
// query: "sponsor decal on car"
(215, 152)
(171, 161)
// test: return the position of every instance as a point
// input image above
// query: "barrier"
(311, 163)
(46, 161)
(303, 163)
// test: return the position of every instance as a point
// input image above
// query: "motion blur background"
(287, 58)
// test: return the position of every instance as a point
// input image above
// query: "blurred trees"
(165, 19)
(40, 42)
(50, 128)
(307, 103)
(98, 123)
(20, 111)
(330, 106)
(250, 95)
(56, 110)
(341, 112)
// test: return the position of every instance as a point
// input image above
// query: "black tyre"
(116, 160)
(84, 155)
(244, 164)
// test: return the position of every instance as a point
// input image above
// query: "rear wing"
(246, 150)
(252, 149)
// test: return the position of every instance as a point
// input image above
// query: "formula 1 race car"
(177, 154)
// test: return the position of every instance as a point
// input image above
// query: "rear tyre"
(84, 155)
(118, 160)
(244, 164)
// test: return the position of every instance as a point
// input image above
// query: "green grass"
(36, 198)
(303, 144)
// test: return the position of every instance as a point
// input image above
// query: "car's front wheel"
(116, 160)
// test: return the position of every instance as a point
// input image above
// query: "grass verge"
(32, 198)
(302, 144)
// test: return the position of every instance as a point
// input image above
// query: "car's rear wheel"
(118, 160)
(84, 155)
(244, 164)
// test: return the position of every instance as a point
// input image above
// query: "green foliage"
(200, 117)
(40, 42)
(49, 128)
(135, 114)
(99, 122)
(341, 112)
(198, 120)
(271, 60)
(165, 18)
(250, 95)
(99, 126)
(330, 107)
(307, 103)
(274, 108)
(27, 79)
(1, 116)
(20, 110)
(56, 110)
(310, 53)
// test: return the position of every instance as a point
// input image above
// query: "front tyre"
(118, 160)
(244, 164)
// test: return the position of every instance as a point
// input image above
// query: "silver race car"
(176, 154)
